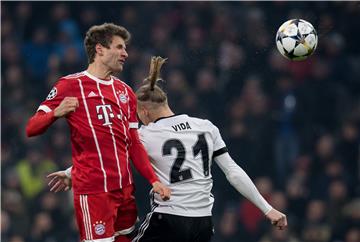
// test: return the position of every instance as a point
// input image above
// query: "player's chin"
(118, 68)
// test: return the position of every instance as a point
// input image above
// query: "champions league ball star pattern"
(296, 39)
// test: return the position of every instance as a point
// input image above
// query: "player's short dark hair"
(103, 34)
(150, 91)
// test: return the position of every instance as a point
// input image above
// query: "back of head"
(150, 93)
(103, 34)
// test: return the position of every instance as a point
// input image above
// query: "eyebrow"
(121, 45)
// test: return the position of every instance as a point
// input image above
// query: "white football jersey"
(181, 149)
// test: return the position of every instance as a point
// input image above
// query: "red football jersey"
(99, 130)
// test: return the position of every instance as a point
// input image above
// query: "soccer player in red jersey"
(101, 112)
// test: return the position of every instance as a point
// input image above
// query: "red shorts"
(103, 215)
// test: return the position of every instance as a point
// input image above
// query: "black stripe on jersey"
(164, 117)
(174, 115)
(220, 152)
(153, 204)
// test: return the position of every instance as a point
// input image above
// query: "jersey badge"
(123, 98)
(52, 94)
(99, 227)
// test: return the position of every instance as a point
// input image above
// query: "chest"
(104, 103)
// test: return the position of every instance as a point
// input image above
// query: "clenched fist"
(162, 190)
(67, 105)
(277, 219)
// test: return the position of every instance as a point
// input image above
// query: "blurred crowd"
(292, 126)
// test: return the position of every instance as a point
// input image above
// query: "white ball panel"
(304, 28)
(308, 23)
(291, 30)
(288, 44)
(284, 26)
(300, 50)
(280, 47)
(311, 40)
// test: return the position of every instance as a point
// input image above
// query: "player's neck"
(99, 70)
(163, 113)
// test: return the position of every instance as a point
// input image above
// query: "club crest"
(123, 98)
(99, 227)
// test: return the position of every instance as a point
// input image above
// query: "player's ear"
(99, 49)
(142, 110)
(145, 111)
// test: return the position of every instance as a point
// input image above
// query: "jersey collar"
(167, 117)
(109, 82)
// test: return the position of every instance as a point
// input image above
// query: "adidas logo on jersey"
(92, 94)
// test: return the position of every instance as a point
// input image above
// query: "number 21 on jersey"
(201, 146)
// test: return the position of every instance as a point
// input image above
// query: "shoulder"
(202, 122)
(64, 80)
(73, 76)
(205, 125)
(118, 81)
(126, 86)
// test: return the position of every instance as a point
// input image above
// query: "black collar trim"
(166, 117)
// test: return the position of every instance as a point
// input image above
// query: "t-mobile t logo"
(105, 112)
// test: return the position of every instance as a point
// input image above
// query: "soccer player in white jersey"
(181, 149)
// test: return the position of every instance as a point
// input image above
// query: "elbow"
(233, 178)
(30, 131)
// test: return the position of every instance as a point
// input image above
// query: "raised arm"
(42, 120)
(57, 104)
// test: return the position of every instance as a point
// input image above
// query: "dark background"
(292, 126)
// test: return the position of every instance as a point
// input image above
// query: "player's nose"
(124, 53)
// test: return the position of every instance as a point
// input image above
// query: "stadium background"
(293, 126)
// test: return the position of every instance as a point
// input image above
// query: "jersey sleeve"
(133, 120)
(242, 182)
(140, 158)
(60, 90)
(219, 144)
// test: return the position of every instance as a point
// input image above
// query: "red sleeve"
(140, 158)
(39, 123)
(61, 89)
(44, 117)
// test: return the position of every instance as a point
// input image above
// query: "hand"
(67, 105)
(162, 190)
(59, 182)
(277, 219)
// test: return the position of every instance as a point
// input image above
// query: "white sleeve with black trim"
(240, 180)
(218, 142)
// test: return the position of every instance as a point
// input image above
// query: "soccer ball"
(296, 39)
